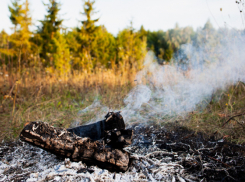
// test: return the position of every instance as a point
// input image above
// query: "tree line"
(83, 48)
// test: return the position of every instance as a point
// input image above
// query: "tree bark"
(106, 153)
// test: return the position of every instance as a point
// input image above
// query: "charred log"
(74, 144)
(111, 130)
(97, 130)
(118, 138)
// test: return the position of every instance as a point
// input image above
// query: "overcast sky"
(152, 14)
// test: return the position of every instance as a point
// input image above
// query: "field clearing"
(58, 100)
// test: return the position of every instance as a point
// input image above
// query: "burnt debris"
(156, 153)
(98, 144)
(201, 158)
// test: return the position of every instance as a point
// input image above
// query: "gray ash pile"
(157, 154)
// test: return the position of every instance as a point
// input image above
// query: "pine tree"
(89, 24)
(24, 32)
(165, 44)
(131, 48)
(206, 36)
(86, 36)
(104, 48)
(49, 28)
(142, 32)
(20, 17)
(4, 50)
(15, 12)
(60, 53)
(74, 47)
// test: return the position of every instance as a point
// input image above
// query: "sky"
(152, 14)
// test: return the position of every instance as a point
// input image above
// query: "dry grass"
(57, 100)
(213, 120)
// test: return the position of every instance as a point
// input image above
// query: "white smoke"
(211, 62)
(189, 81)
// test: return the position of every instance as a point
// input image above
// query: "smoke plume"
(199, 69)
(213, 61)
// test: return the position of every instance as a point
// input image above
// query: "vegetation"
(223, 118)
(52, 73)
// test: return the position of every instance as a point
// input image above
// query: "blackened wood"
(119, 138)
(96, 131)
(64, 143)
(98, 144)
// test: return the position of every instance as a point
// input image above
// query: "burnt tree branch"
(106, 153)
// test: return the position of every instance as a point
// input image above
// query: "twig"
(10, 92)
(241, 114)
(239, 123)
(15, 97)
(219, 161)
(11, 89)
(38, 92)
(232, 117)
(161, 152)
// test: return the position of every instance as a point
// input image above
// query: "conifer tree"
(15, 12)
(142, 32)
(25, 33)
(165, 44)
(104, 48)
(4, 51)
(60, 53)
(86, 35)
(131, 48)
(50, 26)
(20, 17)
(89, 24)
(74, 47)
(54, 49)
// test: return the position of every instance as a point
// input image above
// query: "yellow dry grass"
(34, 96)
(47, 97)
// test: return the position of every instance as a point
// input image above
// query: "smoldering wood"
(98, 144)
(98, 130)
(111, 129)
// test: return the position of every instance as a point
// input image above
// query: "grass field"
(57, 100)
(224, 117)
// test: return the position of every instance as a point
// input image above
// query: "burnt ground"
(158, 154)
(201, 156)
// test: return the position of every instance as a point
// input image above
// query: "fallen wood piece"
(111, 129)
(103, 153)
(97, 130)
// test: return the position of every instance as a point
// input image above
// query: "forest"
(52, 47)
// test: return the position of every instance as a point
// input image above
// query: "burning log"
(98, 144)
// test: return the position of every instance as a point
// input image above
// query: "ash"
(157, 154)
